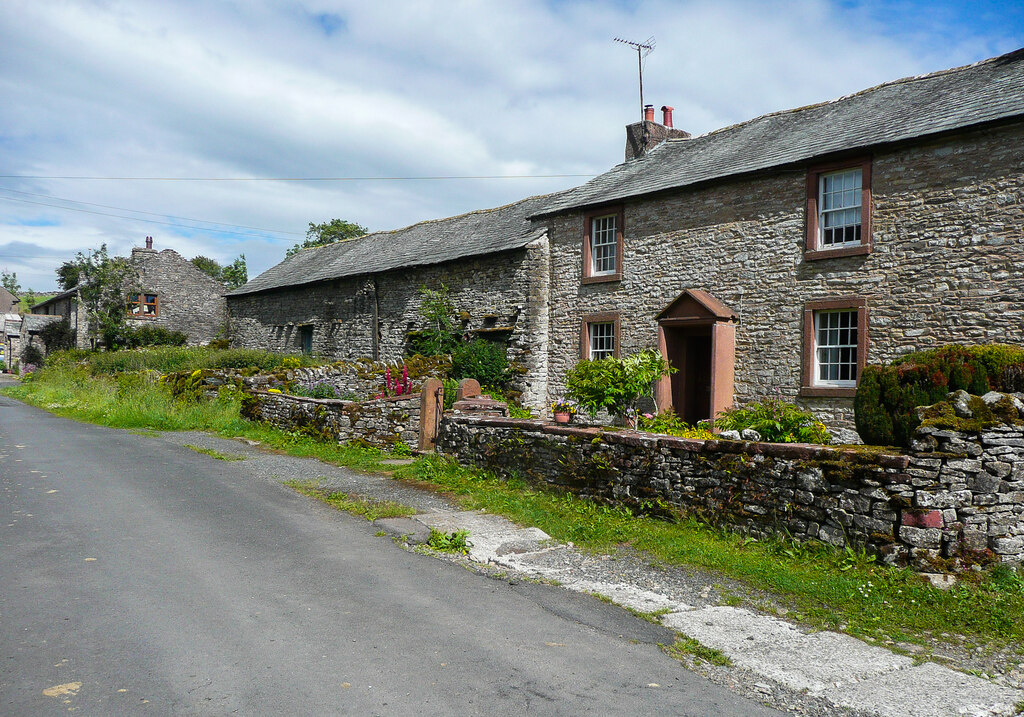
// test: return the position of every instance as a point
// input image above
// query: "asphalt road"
(140, 577)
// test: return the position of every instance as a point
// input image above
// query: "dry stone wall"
(948, 236)
(959, 501)
(382, 422)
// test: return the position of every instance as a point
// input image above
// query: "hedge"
(888, 394)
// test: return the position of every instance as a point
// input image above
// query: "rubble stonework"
(502, 296)
(947, 217)
(189, 301)
(960, 498)
(382, 422)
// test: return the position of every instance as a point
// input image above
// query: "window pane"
(839, 208)
(602, 340)
(836, 349)
(603, 244)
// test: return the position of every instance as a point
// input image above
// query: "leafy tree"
(232, 276)
(104, 283)
(10, 281)
(439, 337)
(208, 266)
(68, 275)
(235, 274)
(328, 233)
(614, 384)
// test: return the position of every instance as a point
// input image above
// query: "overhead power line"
(299, 179)
(136, 219)
(152, 214)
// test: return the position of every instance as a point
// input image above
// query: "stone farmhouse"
(771, 258)
(170, 292)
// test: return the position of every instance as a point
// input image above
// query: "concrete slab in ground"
(412, 531)
(928, 690)
(627, 595)
(777, 650)
(491, 536)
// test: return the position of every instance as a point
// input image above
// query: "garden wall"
(960, 498)
(382, 422)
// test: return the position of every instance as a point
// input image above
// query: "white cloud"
(318, 88)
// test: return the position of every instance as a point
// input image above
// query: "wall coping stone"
(336, 401)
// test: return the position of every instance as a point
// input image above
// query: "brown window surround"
(143, 306)
(807, 382)
(813, 250)
(607, 317)
(588, 222)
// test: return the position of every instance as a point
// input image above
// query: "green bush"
(57, 336)
(32, 354)
(614, 384)
(483, 360)
(776, 420)
(888, 394)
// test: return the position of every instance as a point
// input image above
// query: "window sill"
(816, 254)
(143, 318)
(828, 391)
(602, 278)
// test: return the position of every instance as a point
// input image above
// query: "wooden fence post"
(431, 411)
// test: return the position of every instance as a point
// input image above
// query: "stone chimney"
(149, 242)
(642, 137)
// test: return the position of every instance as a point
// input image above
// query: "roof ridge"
(834, 100)
(385, 232)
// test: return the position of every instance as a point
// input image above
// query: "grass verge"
(354, 504)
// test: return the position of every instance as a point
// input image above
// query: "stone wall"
(948, 238)
(188, 300)
(503, 296)
(382, 422)
(962, 494)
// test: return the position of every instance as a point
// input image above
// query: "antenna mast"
(643, 49)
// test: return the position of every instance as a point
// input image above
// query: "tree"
(10, 281)
(328, 233)
(232, 276)
(104, 283)
(68, 275)
(235, 274)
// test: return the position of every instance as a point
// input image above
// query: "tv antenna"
(643, 49)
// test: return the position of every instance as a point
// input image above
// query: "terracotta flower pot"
(562, 417)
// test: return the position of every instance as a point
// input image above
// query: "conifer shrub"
(887, 395)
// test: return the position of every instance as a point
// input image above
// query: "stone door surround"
(694, 309)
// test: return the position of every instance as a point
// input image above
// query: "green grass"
(684, 646)
(816, 584)
(454, 542)
(356, 505)
(215, 454)
(168, 359)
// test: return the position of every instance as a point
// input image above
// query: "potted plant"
(563, 410)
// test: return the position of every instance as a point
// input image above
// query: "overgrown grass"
(354, 504)
(215, 454)
(689, 646)
(822, 586)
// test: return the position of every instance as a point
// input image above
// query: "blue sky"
(199, 92)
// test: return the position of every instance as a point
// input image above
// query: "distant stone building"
(177, 296)
(174, 295)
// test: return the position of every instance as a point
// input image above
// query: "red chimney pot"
(666, 112)
(149, 242)
(649, 113)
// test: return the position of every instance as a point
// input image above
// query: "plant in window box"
(563, 410)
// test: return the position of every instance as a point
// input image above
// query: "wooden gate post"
(431, 410)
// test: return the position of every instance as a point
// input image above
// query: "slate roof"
(430, 242)
(893, 112)
(55, 297)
